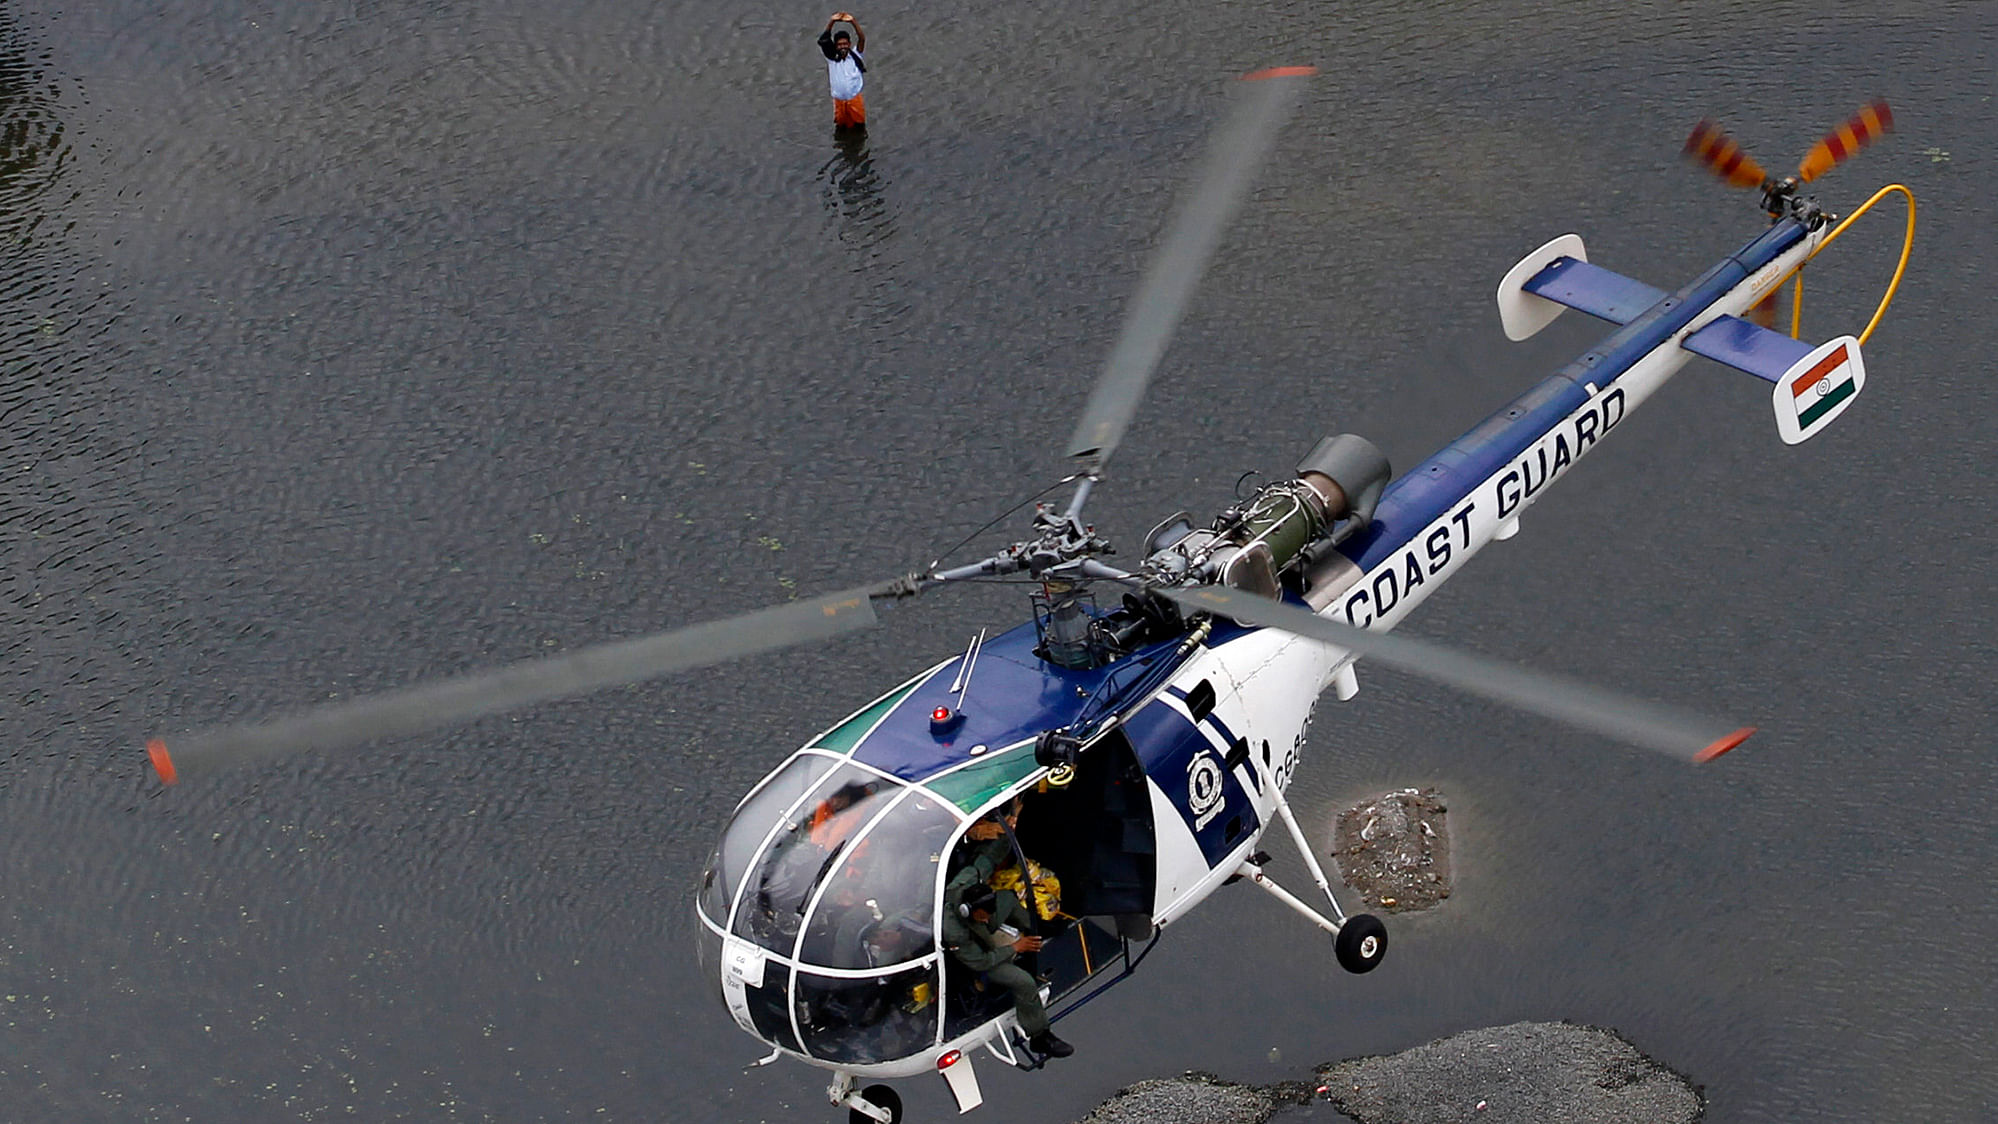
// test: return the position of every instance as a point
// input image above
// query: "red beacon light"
(944, 721)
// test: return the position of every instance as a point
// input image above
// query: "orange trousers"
(851, 113)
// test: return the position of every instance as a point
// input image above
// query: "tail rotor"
(1711, 147)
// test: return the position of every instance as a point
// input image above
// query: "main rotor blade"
(1680, 733)
(1261, 106)
(462, 698)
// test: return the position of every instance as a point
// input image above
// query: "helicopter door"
(1202, 813)
(1095, 833)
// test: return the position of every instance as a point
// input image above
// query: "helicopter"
(1142, 750)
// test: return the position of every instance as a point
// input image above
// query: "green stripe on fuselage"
(843, 737)
(970, 786)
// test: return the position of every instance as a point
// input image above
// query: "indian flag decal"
(1817, 388)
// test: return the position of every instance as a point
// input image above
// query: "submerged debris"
(1525, 1073)
(1394, 850)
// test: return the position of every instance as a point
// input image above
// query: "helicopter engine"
(1333, 495)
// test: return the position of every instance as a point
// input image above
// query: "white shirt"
(845, 76)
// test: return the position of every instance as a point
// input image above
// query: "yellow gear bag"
(1047, 888)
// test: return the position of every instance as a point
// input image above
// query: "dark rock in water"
(1196, 1098)
(1525, 1073)
(1395, 850)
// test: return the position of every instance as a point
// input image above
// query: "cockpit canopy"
(844, 878)
(819, 908)
(831, 871)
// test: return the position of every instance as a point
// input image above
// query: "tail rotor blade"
(466, 697)
(1262, 105)
(1670, 730)
(1763, 312)
(1860, 130)
(1722, 156)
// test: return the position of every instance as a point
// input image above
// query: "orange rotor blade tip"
(1280, 72)
(1723, 745)
(162, 764)
(1722, 156)
(1697, 139)
(1862, 129)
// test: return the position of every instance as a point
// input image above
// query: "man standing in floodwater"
(847, 70)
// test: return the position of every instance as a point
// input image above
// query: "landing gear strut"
(1358, 941)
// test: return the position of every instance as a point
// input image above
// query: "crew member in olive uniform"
(970, 933)
(986, 849)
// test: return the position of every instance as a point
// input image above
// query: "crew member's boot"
(1047, 1043)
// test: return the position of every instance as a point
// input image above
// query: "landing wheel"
(1361, 943)
(880, 1095)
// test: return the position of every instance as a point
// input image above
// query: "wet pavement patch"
(1516, 1074)
(1193, 1098)
(1523, 1073)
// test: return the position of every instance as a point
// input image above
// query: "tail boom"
(1433, 518)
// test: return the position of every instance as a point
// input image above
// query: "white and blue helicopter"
(1146, 744)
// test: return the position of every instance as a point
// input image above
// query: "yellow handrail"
(1901, 267)
(1797, 303)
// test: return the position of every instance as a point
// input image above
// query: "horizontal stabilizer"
(1748, 347)
(1814, 384)
(1557, 276)
(1594, 290)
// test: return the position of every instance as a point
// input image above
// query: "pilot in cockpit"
(803, 855)
(834, 819)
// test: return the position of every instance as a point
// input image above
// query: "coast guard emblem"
(1203, 788)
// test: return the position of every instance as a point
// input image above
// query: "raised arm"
(859, 36)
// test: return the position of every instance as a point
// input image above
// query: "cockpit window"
(879, 900)
(805, 852)
(751, 823)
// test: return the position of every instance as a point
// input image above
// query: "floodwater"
(350, 343)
